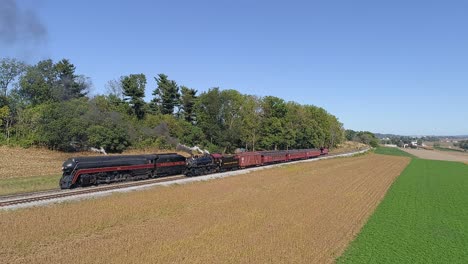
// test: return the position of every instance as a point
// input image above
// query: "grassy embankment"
(28, 184)
(28, 170)
(421, 220)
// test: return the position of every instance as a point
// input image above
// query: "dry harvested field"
(302, 213)
(439, 155)
(19, 162)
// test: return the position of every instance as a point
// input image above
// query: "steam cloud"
(18, 25)
(162, 130)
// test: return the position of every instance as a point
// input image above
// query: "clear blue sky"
(384, 66)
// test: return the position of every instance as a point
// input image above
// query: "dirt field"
(303, 213)
(439, 155)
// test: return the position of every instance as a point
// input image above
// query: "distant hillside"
(381, 136)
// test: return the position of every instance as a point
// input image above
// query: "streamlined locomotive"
(85, 171)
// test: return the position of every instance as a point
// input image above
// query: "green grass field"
(28, 184)
(392, 152)
(423, 218)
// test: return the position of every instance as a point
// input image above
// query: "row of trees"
(47, 104)
(463, 145)
(365, 137)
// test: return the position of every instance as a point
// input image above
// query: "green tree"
(49, 82)
(4, 114)
(231, 119)
(113, 139)
(368, 138)
(463, 144)
(251, 114)
(61, 124)
(219, 117)
(273, 107)
(208, 118)
(10, 69)
(68, 85)
(314, 135)
(133, 87)
(272, 132)
(336, 131)
(273, 123)
(350, 134)
(38, 82)
(166, 95)
(187, 100)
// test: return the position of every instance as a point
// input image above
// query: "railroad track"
(13, 196)
(9, 200)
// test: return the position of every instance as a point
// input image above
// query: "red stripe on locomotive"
(107, 169)
(168, 164)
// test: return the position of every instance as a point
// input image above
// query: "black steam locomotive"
(85, 171)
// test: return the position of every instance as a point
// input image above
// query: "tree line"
(48, 104)
(463, 145)
(365, 137)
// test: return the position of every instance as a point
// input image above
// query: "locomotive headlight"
(67, 166)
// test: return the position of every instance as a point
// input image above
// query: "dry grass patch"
(348, 146)
(303, 213)
(19, 162)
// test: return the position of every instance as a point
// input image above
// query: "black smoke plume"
(19, 26)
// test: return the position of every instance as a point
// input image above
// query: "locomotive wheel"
(84, 180)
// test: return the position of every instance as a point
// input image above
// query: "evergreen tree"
(133, 87)
(166, 95)
(69, 85)
(187, 99)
